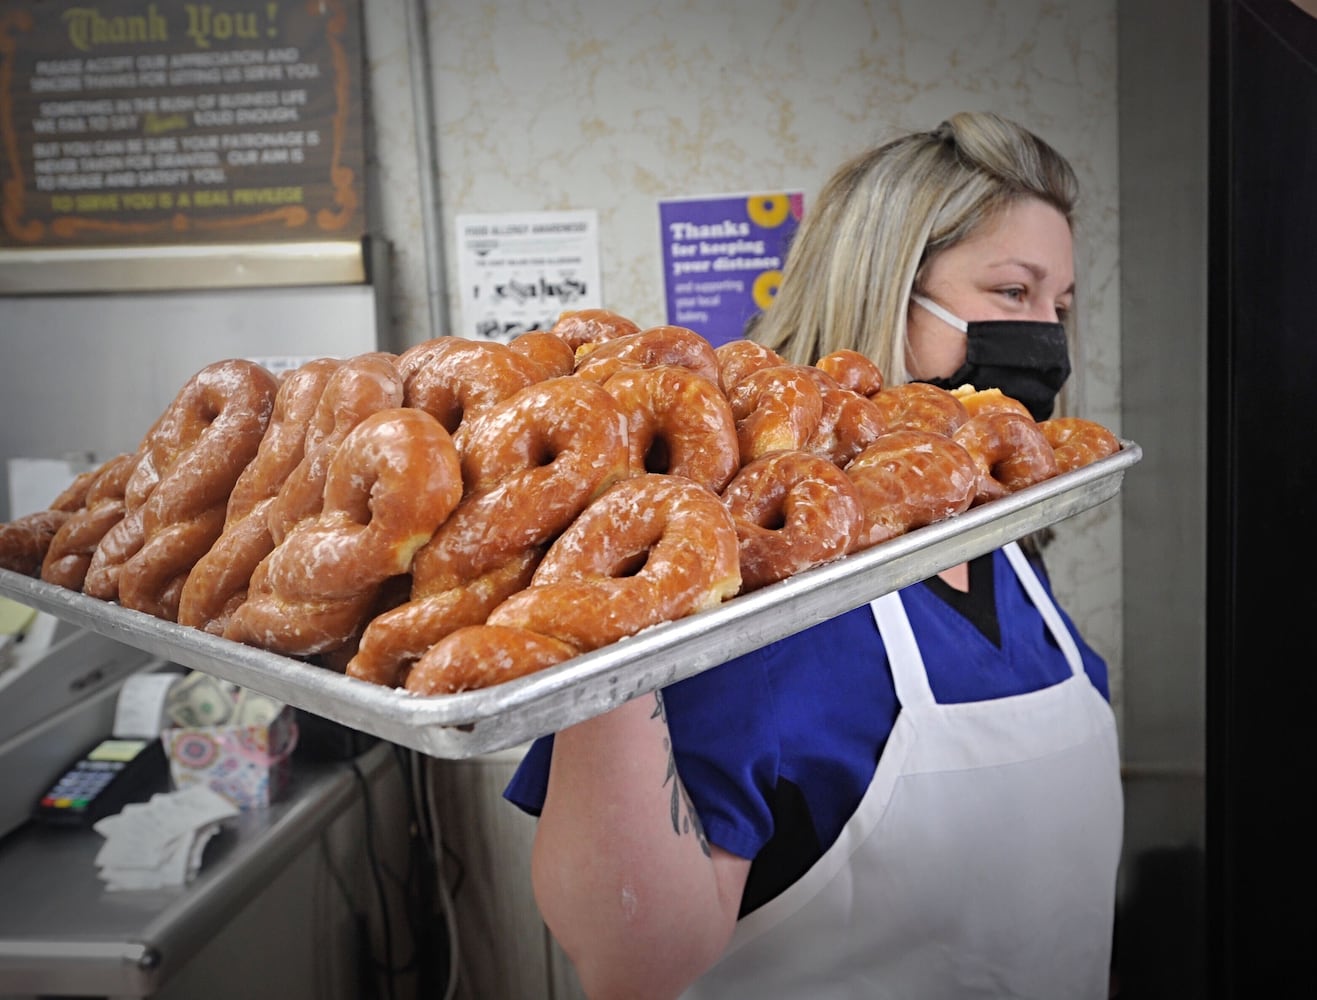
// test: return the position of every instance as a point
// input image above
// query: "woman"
(918, 798)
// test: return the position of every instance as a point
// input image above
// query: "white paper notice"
(521, 270)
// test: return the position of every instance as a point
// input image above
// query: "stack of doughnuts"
(467, 512)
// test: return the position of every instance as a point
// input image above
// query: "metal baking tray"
(470, 723)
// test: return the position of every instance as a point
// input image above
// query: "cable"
(379, 882)
(440, 882)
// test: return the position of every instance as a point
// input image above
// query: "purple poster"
(723, 258)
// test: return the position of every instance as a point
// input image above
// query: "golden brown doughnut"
(658, 345)
(978, 401)
(1009, 450)
(738, 358)
(776, 409)
(410, 361)
(792, 510)
(919, 406)
(530, 465)
(909, 478)
(25, 540)
(394, 479)
(651, 549)
(853, 370)
(847, 424)
(459, 378)
(678, 423)
(480, 655)
(74, 496)
(1077, 442)
(174, 500)
(70, 550)
(218, 582)
(284, 442)
(591, 326)
(395, 639)
(360, 386)
(552, 356)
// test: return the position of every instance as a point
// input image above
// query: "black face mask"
(1027, 360)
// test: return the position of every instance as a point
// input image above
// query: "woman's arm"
(623, 875)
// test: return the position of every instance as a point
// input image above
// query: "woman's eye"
(1014, 294)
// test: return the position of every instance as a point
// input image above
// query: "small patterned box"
(249, 765)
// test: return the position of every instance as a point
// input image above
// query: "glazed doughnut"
(74, 496)
(776, 409)
(658, 345)
(852, 370)
(1077, 442)
(1009, 450)
(920, 406)
(978, 401)
(359, 387)
(410, 361)
(848, 422)
(25, 540)
(738, 358)
(175, 499)
(395, 639)
(218, 582)
(394, 479)
(481, 655)
(678, 423)
(459, 378)
(651, 549)
(551, 355)
(284, 442)
(908, 478)
(70, 550)
(591, 326)
(530, 466)
(792, 510)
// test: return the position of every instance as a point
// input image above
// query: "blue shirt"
(793, 731)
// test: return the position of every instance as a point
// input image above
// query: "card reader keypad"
(79, 787)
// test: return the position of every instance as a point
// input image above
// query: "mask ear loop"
(946, 317)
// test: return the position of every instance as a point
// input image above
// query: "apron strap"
(907, 663)
(903, 654)
(1046, 607)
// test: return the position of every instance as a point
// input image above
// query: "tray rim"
(481, 721)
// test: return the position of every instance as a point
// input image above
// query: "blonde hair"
(879, 220)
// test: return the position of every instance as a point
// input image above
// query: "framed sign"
(127, 123)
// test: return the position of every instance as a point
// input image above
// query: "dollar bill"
(254, 709)
(199, 700)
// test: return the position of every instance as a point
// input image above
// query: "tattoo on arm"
(684, 817)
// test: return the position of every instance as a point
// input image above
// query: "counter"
(63, 934)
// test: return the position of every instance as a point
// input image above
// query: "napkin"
(159, 843)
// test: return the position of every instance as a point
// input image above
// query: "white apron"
(981, 861)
